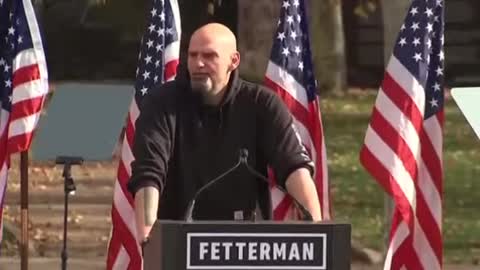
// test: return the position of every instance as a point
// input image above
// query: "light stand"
(69, 189)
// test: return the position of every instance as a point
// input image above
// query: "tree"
(328, 44)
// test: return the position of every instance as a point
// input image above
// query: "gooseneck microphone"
(191, 204)
(243, 160)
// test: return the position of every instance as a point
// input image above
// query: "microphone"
(72, 160)
(191, 204)
(243, 159)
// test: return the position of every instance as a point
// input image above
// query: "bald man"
(191, 130)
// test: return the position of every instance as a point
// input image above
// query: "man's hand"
(300, 184)
(146, 206)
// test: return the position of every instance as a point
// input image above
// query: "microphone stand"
(69, 189)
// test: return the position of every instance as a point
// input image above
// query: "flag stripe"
(18, 143)
(24, 125)
(25, 75)
(26, 108)
(390, 173)
(28, 90)
(407, 83)
(285, 81)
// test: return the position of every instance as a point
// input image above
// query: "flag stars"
(293, 35)
(157, 63)
(429, 12)
(439, 71)
(296, 3)
(439, 3)
(429, 27)
(155, 79)
(151, 28)
(150, 43)
(159, 47)
(169, 31)
(403, 27)
(290, 19)
(20, 39)
(2, 61)
(11, 31)
(416, 42)
(433, 102)
(285, 52)
(436, 87)
(429, 43)
(6, 68)
(144, 91)
(402, 42)
(8, 83)
(146, 75)
(417, 57)
(286, 4)
(148, 59)
(153, 12)
(281, 36)
(160, 31)
(415, 26)
(162, 16)
(297, 50)
(414, 11)
(441, 56)
(300, 65)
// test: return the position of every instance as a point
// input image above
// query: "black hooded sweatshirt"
(180, 144)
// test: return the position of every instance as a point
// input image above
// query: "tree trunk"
(328, 44)
(394, 13)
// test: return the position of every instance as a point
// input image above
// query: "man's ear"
(235, 60)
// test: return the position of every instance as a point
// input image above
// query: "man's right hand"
(146, 207)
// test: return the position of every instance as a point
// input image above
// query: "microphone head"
(243, 153)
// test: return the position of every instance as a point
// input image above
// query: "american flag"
(23, 82)
(403, 142)
(157, 63)
(290, 74)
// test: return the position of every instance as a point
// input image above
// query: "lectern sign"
(256, 251)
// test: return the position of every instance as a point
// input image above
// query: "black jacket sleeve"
(281, 141)
(152, 145)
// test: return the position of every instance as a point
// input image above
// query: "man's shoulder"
(261, 93)
(168, 93)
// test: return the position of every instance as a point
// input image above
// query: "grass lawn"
(359, 200)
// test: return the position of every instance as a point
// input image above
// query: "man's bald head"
(215, 32)
(212, 56)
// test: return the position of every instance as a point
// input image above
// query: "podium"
(180, 245)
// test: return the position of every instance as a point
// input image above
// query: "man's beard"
(204, 86)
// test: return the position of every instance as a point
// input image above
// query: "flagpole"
(24, 209)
